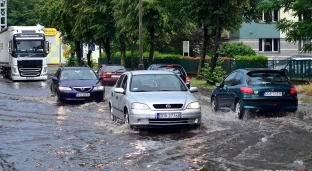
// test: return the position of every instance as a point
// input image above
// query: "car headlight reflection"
(98, 88)
(64, 88)
(194, 105)
(139, 106)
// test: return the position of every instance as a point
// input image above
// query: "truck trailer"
(23, 53)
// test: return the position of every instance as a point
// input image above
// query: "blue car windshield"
(156, 82)
(263, 78)
(76, 74)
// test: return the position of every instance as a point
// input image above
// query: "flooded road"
(37, 133)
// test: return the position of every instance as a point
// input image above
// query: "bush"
(235, 48)
(255, 61)
(216, 76)
(71, 61)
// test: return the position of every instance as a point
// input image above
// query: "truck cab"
(27, 52)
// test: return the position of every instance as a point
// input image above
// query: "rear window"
(263, 78)
(176, 70)
(114, 68)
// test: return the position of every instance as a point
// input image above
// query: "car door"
(121, 98)
(222, 96)
(234, 89)
(114, 95)
(55, 83)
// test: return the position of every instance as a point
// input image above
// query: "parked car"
(77, 83)
(110, 73)
(264, 90)
(177, 69)
(149, 99)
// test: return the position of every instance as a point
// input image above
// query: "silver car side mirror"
(119, 90)
(193, 89)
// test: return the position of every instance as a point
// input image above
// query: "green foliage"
(254, 61)
(71, 61)
(157, 55)
(22, 13)
(215, 76)
(235, 48)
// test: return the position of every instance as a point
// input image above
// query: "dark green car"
(264, 90)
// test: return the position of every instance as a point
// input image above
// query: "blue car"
(77, 83)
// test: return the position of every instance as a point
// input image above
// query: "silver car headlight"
(64, 88)
(193, 105)
(139, 106)
(98, 88)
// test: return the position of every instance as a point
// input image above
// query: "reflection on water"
(16, 85)
(60, 114)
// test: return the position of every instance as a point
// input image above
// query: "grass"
(201, 84)
(305, 88)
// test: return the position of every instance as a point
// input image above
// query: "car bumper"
(109, 81)
(271, 104)
(71, 96)
(147, 119)
(19, 78)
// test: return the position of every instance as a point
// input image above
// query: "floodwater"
(37, 133)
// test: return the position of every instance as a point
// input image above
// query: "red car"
(110, 73)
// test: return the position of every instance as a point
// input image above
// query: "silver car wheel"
(112, 117)
(237, 109)
(126, 119)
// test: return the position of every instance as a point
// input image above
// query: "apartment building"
(265, 39)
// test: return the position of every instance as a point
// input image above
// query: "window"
(275, 16)
(229, 79)
(301, 43)
(118, 84)
(124, 83)
(238, 79)
(269, 45)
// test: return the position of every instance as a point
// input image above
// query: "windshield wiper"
(119, 69)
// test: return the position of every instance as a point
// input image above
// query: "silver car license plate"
(271, 93)
(83, 95)
(168, 115)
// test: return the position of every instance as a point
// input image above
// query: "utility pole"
(141, 64)
(3, 14)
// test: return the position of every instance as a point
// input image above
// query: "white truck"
(23, 53)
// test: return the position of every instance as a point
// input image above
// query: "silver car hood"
(163, 97)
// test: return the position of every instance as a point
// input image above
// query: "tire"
(239, 111)
(126, 118)
(213, 105)
(112, 117)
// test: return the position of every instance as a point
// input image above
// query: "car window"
(114, 68)
(228, 81)
(176, 70)
(78, 74)
(238, 79)
(119, 81)
(263, 78)
(157, 82)
(124, 83)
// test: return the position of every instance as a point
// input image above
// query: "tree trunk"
(214, 59)
(100, 58)
(132, 55)
(152, 43)
(78, 52)
(106, 43)
(122, 52)
(89, 58)
(204, 50)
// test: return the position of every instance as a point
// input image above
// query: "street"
(37, 133)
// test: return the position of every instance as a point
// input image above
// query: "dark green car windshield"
(264, 78)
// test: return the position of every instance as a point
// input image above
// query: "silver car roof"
(143, 72)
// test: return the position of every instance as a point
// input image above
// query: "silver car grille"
(168, 106)
(168, 121)
(82, 89)
(30, 72)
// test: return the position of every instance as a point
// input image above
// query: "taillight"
(170, 66)
(106, 75)
(247, 90)
(293, 90)
(187, 79)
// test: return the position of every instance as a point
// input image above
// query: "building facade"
(266, 40)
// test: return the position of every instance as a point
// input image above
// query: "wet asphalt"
(37, 133)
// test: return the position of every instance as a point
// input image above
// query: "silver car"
(154, 98)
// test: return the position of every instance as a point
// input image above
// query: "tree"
(295, 29)
(22, 13)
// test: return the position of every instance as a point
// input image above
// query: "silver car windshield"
(83, 74)
(157, 82)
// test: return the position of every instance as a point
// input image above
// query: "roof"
(73, 68)
(257, 69)
(167, 64)
(146, 72)
(112, 64)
